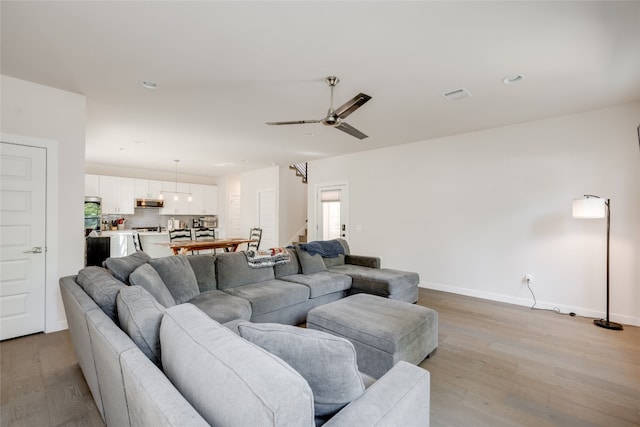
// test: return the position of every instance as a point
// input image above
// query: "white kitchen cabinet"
(171, 192)
(92, 185)
(204, 200)
(117, 195)
(147, 188)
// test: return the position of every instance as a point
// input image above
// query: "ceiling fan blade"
(352, 105)
(347, 128)
(294, 122)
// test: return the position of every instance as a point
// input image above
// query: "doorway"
(332, 203)
(23, 186)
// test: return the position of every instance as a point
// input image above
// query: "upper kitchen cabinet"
(92, 185)
(204, 200)
(147, 189)
(176, 198)
(117, 195)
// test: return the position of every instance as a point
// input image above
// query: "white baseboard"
(565, 309)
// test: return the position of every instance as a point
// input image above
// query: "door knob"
(34, 250)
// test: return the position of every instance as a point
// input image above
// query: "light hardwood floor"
(496, 365)
(505, 365)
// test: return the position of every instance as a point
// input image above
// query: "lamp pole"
(605, 323)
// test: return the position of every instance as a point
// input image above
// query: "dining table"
(182, 247)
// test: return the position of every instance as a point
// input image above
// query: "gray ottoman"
(383, 331)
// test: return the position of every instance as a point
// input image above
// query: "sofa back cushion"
(289, 268)
(177, 274)
(310, 263)
(204, 266)
(327, 362)
(228, 380)
(140, 316)
(102, 287)
(233, 270)
(124, 266)
(147, 277)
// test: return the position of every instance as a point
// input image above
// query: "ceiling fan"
(335, 116)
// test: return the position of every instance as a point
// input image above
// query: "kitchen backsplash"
(149, 217)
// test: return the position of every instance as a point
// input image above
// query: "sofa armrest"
(152, 400)
(363, 261)
(400, 398)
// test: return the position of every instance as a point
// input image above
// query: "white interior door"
(22, 239)
(267, 218)
(333, 212)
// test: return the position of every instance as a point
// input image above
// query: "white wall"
(250, 184)
(58, 117)
(473, 213)
(293, 205)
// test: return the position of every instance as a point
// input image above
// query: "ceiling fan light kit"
(334, 117)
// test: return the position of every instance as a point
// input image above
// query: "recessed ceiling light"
(513, 78)
(149, 84)
(222, 165)
(309, 134)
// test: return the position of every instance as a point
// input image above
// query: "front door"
(22, 239)
(333, 208)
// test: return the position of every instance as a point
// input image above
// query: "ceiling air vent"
(456, 95)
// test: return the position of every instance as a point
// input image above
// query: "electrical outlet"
(528, 278)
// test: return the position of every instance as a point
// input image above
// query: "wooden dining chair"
(179, 234)
(204, 233)
(136, 241)
(255, 233)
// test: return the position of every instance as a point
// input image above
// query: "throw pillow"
(102, 287)
(289, 268)
(123, 267)
(310, 263)
(327, 362)
(147, 277)
(140, 317)
(177, 274)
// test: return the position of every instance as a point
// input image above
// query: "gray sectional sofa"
(207, 340)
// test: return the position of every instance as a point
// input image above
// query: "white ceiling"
(226, 68)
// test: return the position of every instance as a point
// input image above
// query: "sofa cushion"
(289, 268)
(271, 295)
(322, 283)
(124, 266)
(102, 287)
(333, 261)
(140, 317)
(147, 277)
(310, 263)
(221, 306)
(177, 274)
(327, 362)
(233, 270)
(228, 380)
(204, 267)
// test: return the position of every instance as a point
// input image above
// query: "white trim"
(627, 320)
(52, 322)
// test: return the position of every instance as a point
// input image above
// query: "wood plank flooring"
(496, 365)
(505, 365)
(42, 384)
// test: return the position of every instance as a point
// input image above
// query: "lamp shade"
(591, 207)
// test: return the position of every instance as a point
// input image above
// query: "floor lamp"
(597, 207)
